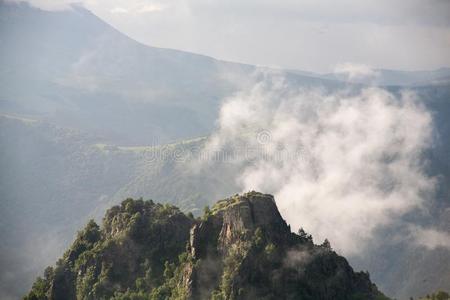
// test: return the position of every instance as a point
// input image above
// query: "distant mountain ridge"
(240, 249)
(81, 72)
(386, 77)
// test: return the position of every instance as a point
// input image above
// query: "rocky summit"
(241, 248)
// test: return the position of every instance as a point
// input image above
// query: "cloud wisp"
(356, 72)
(430, 238)
(358, 155)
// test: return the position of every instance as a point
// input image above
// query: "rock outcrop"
(240, 249)
(243, 249)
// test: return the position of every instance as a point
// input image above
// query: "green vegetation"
(131, 257)
(440, 295)
(239, 249)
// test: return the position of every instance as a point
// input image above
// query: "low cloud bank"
(354, 162)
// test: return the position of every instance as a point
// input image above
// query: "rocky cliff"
(241, 248)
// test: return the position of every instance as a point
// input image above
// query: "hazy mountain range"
(90, 117)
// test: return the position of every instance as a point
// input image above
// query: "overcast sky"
(313, 35)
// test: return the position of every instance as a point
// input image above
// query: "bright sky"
(313, 35)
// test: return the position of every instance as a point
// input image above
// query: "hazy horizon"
(309, 35)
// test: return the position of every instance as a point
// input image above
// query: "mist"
(341, 164)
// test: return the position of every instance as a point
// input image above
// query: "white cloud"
(141, 8)
(355, 72)
(119, 10)
(430, 238)
(150, 8)
(355, 159)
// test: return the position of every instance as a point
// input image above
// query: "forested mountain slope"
(240, 249)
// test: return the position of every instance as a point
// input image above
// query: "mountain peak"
(240, 249)
(250, 210)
